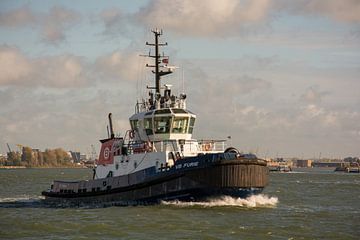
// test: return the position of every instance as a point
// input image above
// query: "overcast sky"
(281, 77)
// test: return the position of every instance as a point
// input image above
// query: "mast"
(158, 59)
(157, 76)
(160, 68)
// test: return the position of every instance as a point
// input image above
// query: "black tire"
(232, 150)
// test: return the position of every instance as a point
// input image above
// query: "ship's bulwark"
(236, 173)
(236, 178)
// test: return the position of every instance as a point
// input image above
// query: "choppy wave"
(253, 201)
(21, 201)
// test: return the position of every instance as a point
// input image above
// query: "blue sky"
(282, 77)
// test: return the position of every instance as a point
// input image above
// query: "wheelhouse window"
(162, 124)
(163, 111)
(178, 110)
(148, 126)
(180, 125)
(191, 126)
(134, 124)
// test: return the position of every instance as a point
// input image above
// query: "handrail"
(173, 145)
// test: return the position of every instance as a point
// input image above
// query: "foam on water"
(20, 201)
(22, 198)
(253, 201)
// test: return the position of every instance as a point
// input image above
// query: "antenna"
(157, 57)
(183, 81)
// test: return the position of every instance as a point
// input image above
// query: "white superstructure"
(161, 130)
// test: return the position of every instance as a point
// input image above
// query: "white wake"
(253, 201)
(22, 198)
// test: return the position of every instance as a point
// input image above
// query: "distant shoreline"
(24, 167)
(11, 167)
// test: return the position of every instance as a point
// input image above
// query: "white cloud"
(265, 108)
(313, 95)
(344, 10)
(19, 17)
(246, 84)
(123, 65)
(114, 21)
(77, 116)
(204, 18)
(312, 111)
(14, 67)
(56, 22)
(67, 71)
(231, 17)
(61, 72)
(55, 72)
(52, 25)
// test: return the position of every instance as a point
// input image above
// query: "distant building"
(304, 163)
(75, 156)
(83, 157)
(351, 159)
(328, 164)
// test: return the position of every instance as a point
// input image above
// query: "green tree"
(49, 157)
(2, 161)
(40, 158)
(27, 156)
(62, 157)
(34, 158)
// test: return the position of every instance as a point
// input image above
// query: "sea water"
(306, 204)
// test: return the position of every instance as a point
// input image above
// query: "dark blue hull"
(193, 179)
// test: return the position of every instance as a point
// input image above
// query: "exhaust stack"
(111, 127)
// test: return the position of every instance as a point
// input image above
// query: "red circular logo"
(106, 153)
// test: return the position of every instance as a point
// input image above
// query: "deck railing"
(173, 145)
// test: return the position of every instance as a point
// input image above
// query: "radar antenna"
(158, 60)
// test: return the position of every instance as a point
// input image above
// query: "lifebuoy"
(131, 134)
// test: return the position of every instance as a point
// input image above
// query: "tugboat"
(157, 159)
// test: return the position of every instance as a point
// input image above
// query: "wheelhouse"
(166, 123)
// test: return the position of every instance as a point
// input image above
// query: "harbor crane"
(8, 146)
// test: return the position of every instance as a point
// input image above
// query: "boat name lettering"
(187, 165)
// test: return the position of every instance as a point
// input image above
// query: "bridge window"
(180, 125)
(134, 124)
(148, 126)
(192, 123)
(162, 124)
(178, 110)
(163, 111)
